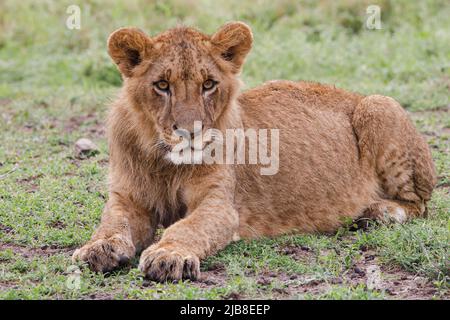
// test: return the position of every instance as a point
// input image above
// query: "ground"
(55, 85)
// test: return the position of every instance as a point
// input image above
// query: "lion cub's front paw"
(162, 264)
(104, 255)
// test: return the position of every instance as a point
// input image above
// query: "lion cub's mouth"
(168, 145)
(170, 150)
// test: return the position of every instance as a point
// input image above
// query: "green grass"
(55, 84)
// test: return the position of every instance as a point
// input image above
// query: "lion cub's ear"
(233, 42)
(128, 47)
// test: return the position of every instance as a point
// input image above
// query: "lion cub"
(340, 155)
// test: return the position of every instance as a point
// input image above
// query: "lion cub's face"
(181, 76)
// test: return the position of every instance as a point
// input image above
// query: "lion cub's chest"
(166, 198)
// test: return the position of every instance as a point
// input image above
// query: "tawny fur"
(342, 155)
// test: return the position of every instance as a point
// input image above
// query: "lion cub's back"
(280, 100)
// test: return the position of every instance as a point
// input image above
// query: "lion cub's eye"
(162, 85)
(209, 84)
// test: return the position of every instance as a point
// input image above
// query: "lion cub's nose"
(192, 130)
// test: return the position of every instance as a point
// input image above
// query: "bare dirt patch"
(29, 253)
(6, 285)
(5, 101)
(394, 281)
(214, 276)
(58, 225)
(30, 182)
(93, 125)
(99, 296)
(6, 229)
(400, 284)
(298, 253)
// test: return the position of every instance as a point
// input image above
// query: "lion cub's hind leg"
(388, 211)
(394, 152)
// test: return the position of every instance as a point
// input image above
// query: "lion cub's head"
(182, 75)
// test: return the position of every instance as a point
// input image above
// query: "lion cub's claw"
(161, 264)
(104, 255)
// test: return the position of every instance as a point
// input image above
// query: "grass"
(55, 84)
